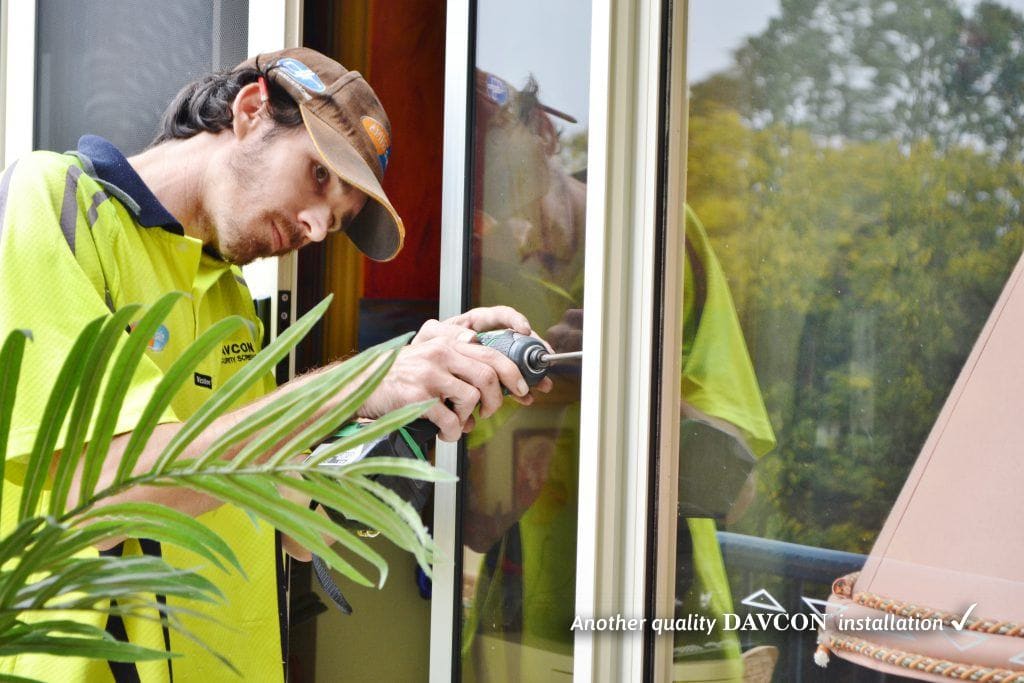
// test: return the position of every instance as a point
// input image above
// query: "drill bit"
(552, 357)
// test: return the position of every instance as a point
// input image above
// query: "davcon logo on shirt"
(237, 353)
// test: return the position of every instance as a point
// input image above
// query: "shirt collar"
(113, 168)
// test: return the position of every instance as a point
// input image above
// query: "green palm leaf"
(47, 565)
(96, 648)
(53, 419)
(197, 537)
(10, 369)
(117, 388)
(169, 385)
(314, 397)
(97, 359)
(235, 387)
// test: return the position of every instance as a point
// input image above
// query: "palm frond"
(170, 383)
(239, 383)
(118, 382)
(52, 421)
(10, 369)
(42, 566)
(197, 537)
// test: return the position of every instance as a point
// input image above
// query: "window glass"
(854, 189)
(528, 193)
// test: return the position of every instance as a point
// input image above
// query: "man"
(276, 154)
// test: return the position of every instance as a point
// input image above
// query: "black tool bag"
(410, 441)
(714, 464)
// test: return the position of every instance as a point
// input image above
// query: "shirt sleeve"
(43, 288)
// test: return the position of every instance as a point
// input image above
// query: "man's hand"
(464, 327)
(444, 361)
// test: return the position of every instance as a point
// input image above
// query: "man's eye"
(322, 174)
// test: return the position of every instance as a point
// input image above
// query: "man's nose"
(316, 222)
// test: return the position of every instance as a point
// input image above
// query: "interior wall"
(407, 67)
(387, 636)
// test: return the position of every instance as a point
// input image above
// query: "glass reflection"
(529, 196)
(855, 169)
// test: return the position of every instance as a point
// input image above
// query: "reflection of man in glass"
(718, 385)
(529, 245)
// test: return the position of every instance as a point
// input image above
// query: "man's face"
(275, 195)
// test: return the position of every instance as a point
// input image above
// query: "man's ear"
(248, 111)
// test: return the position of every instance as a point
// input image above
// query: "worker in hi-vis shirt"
(254, 162)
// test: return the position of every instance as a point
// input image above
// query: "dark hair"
(204, 105)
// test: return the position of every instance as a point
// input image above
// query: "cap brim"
(377, 230)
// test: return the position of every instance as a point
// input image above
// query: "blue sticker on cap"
(301, 74)
(497, 90)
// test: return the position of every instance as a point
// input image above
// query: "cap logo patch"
(381, 142)
(301, 74)
(497, 90)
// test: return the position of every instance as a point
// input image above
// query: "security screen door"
(548, 137)
(110, 69)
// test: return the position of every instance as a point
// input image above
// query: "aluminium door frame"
(17, 83)
(634, 237)
(275, 25)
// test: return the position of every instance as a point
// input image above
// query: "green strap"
(413, 446)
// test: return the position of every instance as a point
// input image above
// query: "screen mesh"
(111, 68)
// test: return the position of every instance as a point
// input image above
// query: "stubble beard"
(235, 241)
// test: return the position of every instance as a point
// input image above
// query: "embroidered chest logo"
(159, 340)
(240, 352)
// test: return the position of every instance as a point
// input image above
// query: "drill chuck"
(528, 353)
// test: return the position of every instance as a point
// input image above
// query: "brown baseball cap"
(350, 131)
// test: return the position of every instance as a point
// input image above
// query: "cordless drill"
(414, 439)
(531, 357)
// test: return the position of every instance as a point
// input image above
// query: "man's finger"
(433, 329)
(448, 424)
(492, 318)
(486, 370)
(507, 371)
(461, 397)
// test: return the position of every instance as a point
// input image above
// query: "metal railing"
(791, 572)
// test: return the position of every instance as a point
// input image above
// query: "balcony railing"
(790, 572)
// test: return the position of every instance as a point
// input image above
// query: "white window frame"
(275, 25)
(445, 597)
(617, 382)
(17, 83)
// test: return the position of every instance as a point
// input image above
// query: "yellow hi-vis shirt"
(73, 246)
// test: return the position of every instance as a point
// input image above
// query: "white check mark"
(959, 625)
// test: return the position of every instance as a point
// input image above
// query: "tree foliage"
(900, 70)
(863, 192)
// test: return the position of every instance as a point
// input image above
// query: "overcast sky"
(718, 27)
(551, 40)
(547, 38)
